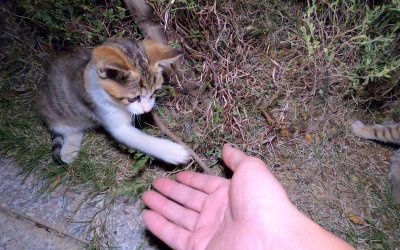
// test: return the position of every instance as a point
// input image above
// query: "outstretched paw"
(357, 128)
(68, 158)
(176, 154)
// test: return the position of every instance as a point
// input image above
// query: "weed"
(69, 23)
(337, 32)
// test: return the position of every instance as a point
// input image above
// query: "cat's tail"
(57, 141)
(383, 133)
(146, 20)
(394, 175)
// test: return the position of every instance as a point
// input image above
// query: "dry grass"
(278, 91)
(245, 57)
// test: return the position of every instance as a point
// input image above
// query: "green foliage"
(25, 140)
(70, 22)
(140, 162)
(375, 238)
(308, 30)
(379, 44)
(370, 31)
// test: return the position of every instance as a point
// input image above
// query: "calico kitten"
(387, 134)
(106, 86)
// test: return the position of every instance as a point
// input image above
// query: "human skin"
(249, 211)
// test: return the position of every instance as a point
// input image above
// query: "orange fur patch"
(105, 55)
(159, 52)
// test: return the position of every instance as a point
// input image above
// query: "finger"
(174, 212)
(235, 158)
(202, 182)
(174, 236)
(187, 196)
(232, 157)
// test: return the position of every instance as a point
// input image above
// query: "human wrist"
(291, 229)
(310, 235)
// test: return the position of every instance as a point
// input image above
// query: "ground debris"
(355, 219)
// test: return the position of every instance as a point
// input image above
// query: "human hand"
(250, 211)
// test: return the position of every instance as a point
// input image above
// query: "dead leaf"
(356, 219)
(269, 118)
(354, 178)
(286, 133)
(309, 138)
(55, 183)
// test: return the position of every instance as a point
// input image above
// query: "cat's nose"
(146, 108)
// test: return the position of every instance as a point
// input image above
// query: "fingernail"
(233, 146)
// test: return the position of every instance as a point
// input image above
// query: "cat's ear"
(111, 63)
(161, 55)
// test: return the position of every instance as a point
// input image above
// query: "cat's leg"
(394, 175)
(384, 133)
(71, 147)
(66, 144)
(363, 131)
(162, 149)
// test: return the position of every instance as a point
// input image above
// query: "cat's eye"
(137, 98)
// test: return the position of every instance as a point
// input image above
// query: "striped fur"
(56, 145)
(386, 134)
(104, 86)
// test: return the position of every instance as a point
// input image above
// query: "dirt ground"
(257, 86)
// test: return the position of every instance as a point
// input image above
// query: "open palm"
(201, 211)
(192, 219)
(250, 211)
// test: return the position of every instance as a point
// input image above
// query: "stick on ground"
(176, 139)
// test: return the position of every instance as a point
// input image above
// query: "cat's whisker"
(158, 104)
(133, 119)
(139, 120)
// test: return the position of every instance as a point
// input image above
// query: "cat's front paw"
(69, 158)
(176, 154)
(357, 128)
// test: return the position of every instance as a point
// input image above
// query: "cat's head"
(130, 72)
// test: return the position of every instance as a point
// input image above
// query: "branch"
(176, 139)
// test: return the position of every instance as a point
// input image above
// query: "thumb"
(233, 157)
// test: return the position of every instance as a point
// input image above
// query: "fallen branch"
(271, 101)
(176, 139)
(273, 98)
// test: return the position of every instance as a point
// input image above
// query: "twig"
(267, 116)
(270, 102)
(175, 138)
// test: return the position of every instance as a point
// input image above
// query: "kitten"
(387, 134)
(106, 86)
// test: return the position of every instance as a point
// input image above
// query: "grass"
(327, 60)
